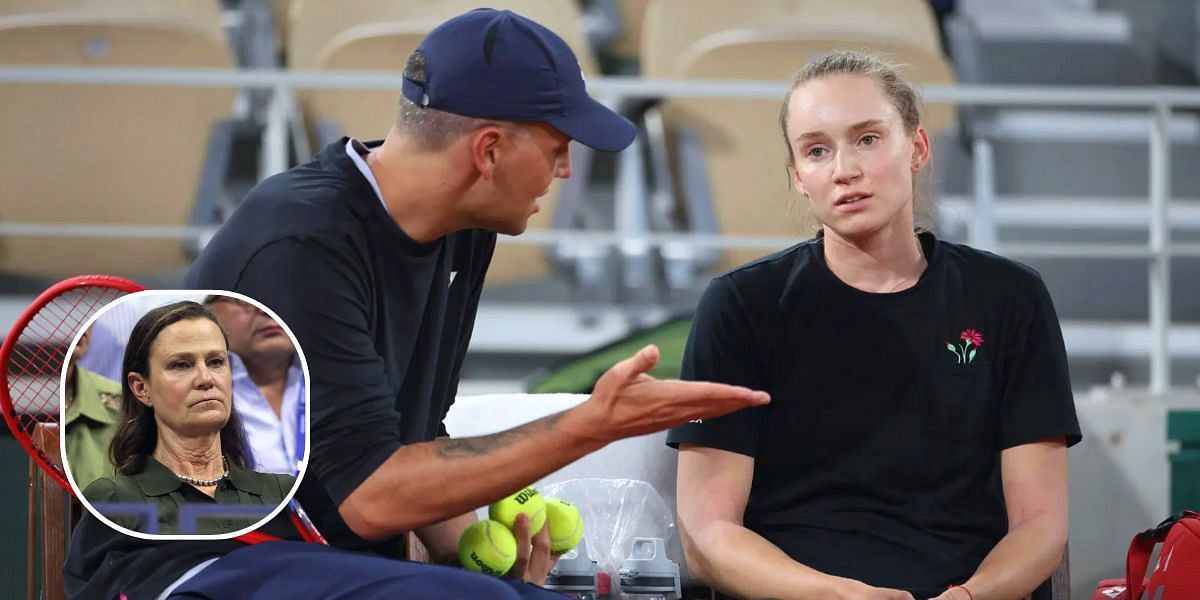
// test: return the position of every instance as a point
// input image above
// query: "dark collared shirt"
(157, 484)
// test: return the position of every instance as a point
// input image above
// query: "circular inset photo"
(184, 414)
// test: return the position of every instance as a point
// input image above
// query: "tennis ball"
(566, 525)
(528, 501)
(487, 547)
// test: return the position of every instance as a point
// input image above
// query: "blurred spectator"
(109, 334)
(93, 410)
(268, 384)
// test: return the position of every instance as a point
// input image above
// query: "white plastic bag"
(615, 511)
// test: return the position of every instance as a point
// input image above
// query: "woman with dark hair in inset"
(179, 440)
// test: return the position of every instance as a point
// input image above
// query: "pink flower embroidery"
(972, 336)
(972, 340)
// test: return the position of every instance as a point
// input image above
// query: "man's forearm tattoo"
(453, 448)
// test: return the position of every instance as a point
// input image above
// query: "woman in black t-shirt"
(916, 441)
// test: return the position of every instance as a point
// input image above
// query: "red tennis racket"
(31, 364)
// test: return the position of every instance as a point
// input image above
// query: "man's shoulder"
(99, 382)
(307, 204)
(97, 392)
(315, 179)
(304, 200)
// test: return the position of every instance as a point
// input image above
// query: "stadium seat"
(1059, 586)
(109, 154)
(414, 550)
(280, 12)
(1037, 42)
(729, 158)
(1046, 158)
(627, 43)
(379, 35)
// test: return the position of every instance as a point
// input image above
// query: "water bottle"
(648, 574)
(576, 576)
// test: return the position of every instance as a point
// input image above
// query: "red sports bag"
(1176, 576)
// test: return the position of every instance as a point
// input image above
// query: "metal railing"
(1159, 104)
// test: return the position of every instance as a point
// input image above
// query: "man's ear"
(485, 150)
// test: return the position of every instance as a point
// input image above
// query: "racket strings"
(36, 363)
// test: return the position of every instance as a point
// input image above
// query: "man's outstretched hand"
(627, 402)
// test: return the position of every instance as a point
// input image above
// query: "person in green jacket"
(93, 411)
(179, 441)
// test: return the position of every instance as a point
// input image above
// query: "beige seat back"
(314, 24)
(379, 35)
(105, 154)
(280, 12)
(632, 13)
(672, 26)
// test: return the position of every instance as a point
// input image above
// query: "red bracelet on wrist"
(963, 588)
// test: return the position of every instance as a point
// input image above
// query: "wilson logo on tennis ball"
(483, 567)
(487, 547)
(528, 502)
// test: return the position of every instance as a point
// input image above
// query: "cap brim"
(595, 126)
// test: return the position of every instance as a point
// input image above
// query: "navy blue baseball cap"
(493, 64)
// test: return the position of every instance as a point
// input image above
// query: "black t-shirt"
(878, 458)
(383, 322)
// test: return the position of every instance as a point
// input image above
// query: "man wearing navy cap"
(374, 254)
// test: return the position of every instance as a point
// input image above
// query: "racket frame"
(9, 346)
(306, 528)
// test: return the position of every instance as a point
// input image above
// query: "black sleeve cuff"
(342, 484)
(688, 434)
(1031, 435)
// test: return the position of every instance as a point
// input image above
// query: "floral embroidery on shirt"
(971, 341)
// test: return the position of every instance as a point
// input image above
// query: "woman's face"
(852, 155)
(189, 380)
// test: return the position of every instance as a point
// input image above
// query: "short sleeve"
(1037, 402)
(101, 490)
(355, 427)
(283, 483)
(722, 348)
(106, 491)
